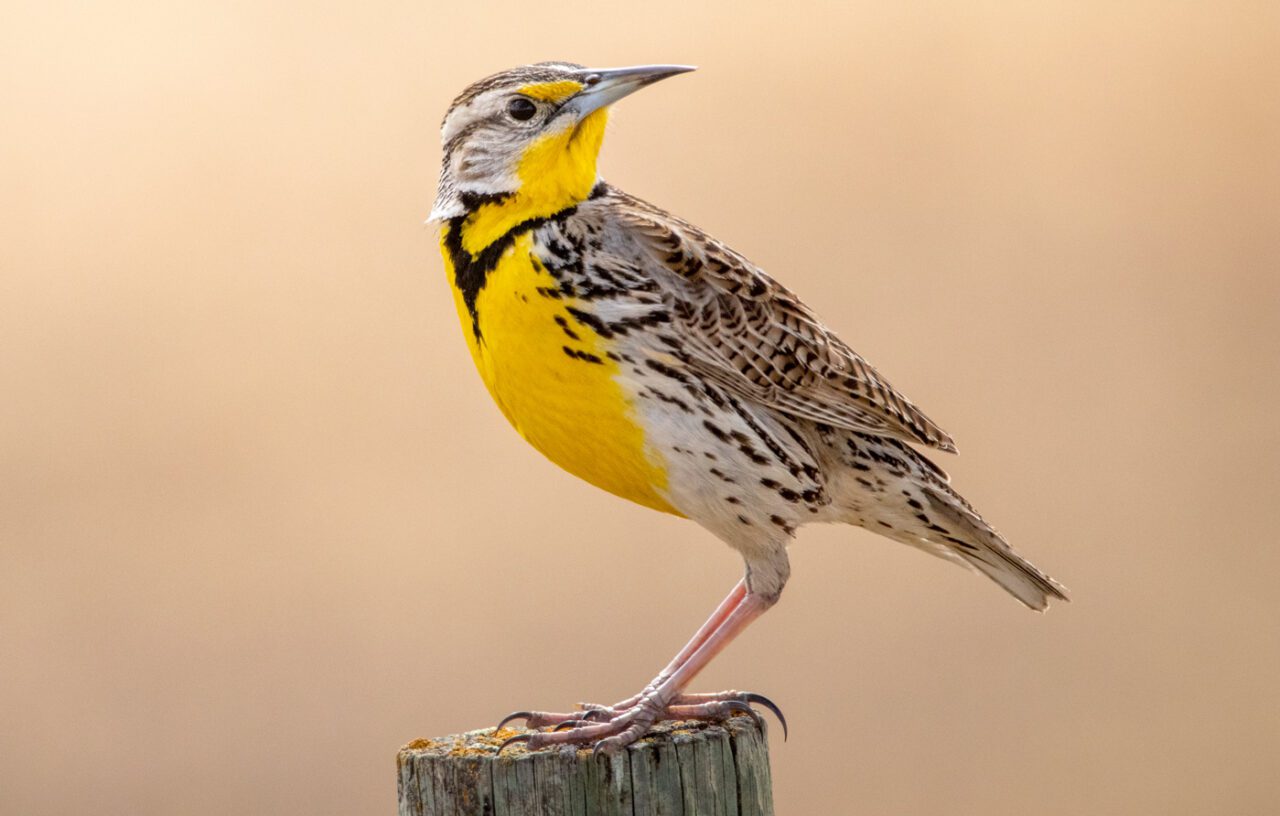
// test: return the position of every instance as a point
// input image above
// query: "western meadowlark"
(646, 357)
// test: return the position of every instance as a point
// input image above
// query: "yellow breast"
(554, 380)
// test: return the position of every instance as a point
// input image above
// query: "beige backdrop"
(260, 524)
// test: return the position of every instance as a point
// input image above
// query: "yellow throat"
(556, 172)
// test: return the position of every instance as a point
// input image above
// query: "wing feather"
(751, 335)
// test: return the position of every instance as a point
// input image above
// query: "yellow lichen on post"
(687, 767)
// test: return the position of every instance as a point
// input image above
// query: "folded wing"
(755, 338)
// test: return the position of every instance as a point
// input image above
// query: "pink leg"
(540, 719)
(726, 608)
(717, 619)
(629, 724)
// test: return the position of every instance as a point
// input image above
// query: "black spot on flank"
(645, 321)
(666, 370)
(582, 355)
(605, 276)
(670, 400)
(890, 461)
(770, 483)
(564, 325)
(781, 522)
(733, 500)
(714, 395)
(559, 250)
(715, 430)
(915, 505)
(744, 520)
(922, 517)
(550, 292)
(698, 400)
(591, 321)
(885, 524)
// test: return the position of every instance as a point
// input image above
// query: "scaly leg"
(541, 719)
(629, 720)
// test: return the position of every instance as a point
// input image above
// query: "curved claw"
(515, 715)
(568, 724)
(738, 705)
(599, 714)
(607, 746)
(515, 739)
(760, 699)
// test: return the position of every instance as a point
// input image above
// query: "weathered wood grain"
(679, 769)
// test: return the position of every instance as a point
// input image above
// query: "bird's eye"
(521, 108)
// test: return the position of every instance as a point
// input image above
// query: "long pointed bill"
(607, 85)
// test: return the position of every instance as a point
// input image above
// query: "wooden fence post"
(687, 768)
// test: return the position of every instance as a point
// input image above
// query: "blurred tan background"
(260, 524)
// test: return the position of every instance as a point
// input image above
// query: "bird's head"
(533, 134)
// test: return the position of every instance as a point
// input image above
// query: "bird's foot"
(612, 728)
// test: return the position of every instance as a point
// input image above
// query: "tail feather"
(986, 551)
(900, 481)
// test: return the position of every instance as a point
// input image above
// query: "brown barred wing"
(751, 335)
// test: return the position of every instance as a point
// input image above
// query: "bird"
(651, 360)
